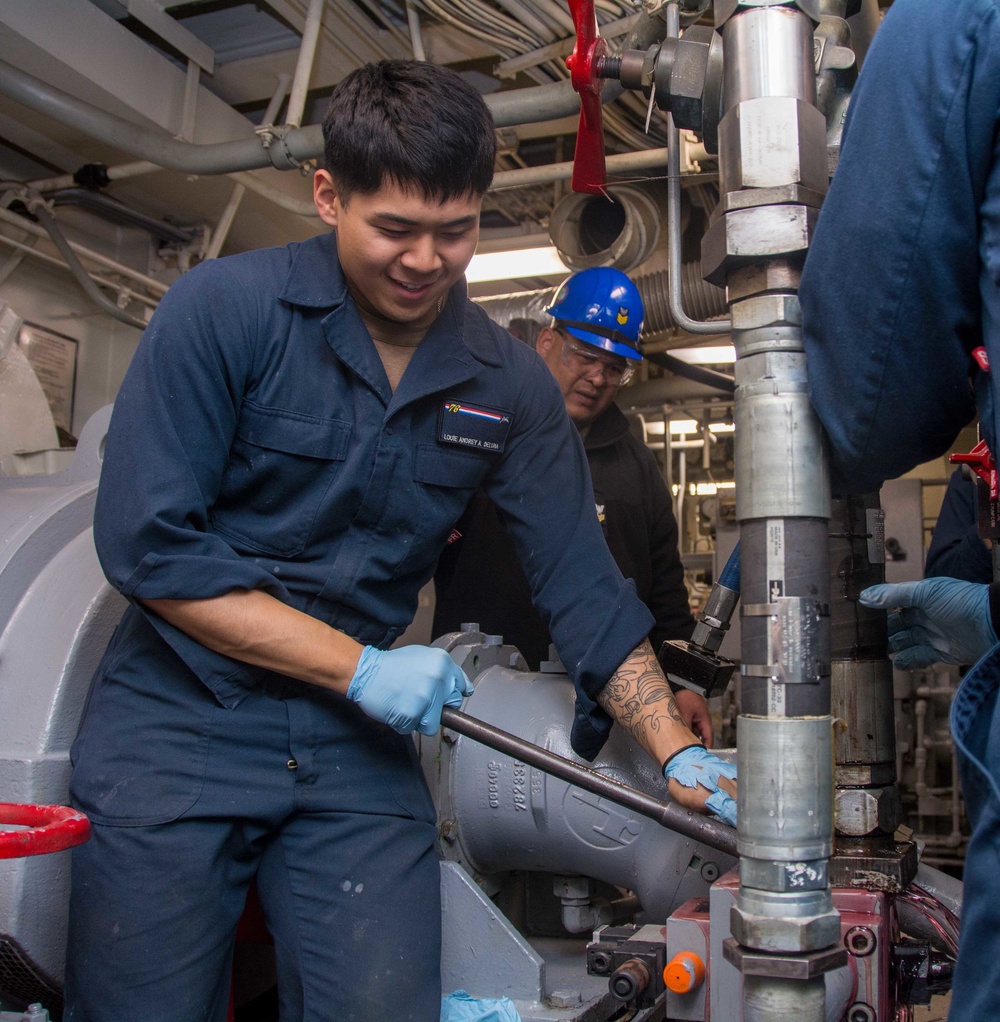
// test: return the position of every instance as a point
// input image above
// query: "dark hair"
(412, 123)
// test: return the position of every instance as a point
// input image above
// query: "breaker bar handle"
(694, 825)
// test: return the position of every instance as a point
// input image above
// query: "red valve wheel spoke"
(589, 172)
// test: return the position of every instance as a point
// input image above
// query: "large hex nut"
(784, 933)
(760, 232)
(772, 875)
(762, 277)
(862, 811)
(688, 82)
(767, 310)
(773, 141)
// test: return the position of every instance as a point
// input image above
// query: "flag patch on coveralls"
(473, 426)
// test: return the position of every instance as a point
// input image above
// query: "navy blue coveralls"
(957, 550)
(256, 443)
(901, 283)
(637, 519)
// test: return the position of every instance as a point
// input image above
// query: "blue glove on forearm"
(935, 621)
(696, 766)
(407, 687)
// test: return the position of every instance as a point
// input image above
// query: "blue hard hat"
(602, 307)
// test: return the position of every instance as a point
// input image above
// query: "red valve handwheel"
(981, 462)
(51, 829)
(589, 174)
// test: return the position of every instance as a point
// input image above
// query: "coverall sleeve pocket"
(281, 466)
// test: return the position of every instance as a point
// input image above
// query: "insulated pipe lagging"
(707, 298)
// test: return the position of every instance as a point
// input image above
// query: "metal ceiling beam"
(150, 14)
(86, 53)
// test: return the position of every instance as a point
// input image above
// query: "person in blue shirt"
(901, 315)
(957, 550)
(295, 437)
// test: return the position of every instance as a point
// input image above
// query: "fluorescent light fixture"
(708, 489)
(709, 355)
(654, 427)
(522, 263)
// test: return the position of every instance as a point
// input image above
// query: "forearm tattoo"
(638, 695)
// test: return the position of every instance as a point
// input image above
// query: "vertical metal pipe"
(189, 115)
(772, 142)
(416, 36)
(221, 231)
(280, 91)
(304, 64)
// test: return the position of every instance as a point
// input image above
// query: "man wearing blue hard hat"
(591, 348)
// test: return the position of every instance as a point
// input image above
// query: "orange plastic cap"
(684, 972)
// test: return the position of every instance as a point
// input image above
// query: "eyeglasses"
(588, 364)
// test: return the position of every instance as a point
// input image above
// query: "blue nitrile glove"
(460, 1007)
(407, 687)
(696, 765)
(935, 621)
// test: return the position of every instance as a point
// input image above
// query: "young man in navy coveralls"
(298, 432)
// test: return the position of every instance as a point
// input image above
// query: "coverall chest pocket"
(443, 483)
(281, 466)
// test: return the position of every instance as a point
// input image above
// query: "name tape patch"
(473, 426)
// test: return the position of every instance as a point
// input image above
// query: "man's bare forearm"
(639, 698)
(252, 626)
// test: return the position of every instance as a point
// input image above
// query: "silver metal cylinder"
(778, 434)
(768, 999)
(785, 768)
(768, 52)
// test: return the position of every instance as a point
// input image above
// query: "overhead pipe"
(416, 36)
(21, 250)
(149, 283)
(221, 231)
(304, 63)
(77, 269)
(289, 147)
(120, 213)
(619, 163)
